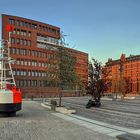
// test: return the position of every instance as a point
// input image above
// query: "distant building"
(128, 68)
(34, 46)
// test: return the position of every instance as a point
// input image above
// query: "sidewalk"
(97, 127)
(66, 129)
(69, 128)
(37, 123)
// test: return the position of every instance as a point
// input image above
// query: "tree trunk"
(60, 97)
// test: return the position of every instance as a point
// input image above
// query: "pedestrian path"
(104, 128)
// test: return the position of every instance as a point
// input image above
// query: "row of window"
(126, 66)
(36, 83)
(33, 26)
(20, 41)
(26, 62)
(33, 73)
(30, 53)
(46, 46)
(47, 39)
(22, 32)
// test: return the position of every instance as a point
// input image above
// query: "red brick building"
(34, 46)
(128, 68)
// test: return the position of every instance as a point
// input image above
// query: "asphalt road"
(120, 113)
(37, 123)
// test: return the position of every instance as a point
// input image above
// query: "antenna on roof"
(62, 39)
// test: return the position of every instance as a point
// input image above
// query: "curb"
(63, 110)
(46, 106)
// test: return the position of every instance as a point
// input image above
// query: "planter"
(65, 110)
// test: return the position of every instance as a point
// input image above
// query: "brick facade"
(128, 67)
(34, 45)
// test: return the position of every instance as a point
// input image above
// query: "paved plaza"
(37, 123)
(119, 113)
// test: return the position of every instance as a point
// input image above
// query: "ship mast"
(6, 73)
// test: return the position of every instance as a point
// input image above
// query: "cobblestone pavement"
(121, 113)
(37, 123)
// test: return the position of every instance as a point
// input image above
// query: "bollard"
(53, 105)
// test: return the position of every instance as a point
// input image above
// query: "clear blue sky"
(102, 28)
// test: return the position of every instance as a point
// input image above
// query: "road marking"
(97, 126)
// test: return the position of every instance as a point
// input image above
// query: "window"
(24, 73)
(44, 55)
(21, 72)
(21, 32)
(29, 43)
(12, 21)
(40, 27)
(29, 73)
(29, 25)
(39, 64)
(22, 62)
(41, 45)
(18, 62)
(38, 54)
(21, 23)
(39, 74)
(33, 53)
(18, 41)
(46, 29)
(14, 32)
(40, 83)
(29, 34)
(12, 40)
(21, 83)
(24, 52)
(29, 83)
(46, 65)
(34, 26)
(18, 73)
(35, 83)
(33, 63)
(26, 24)
(24, 33)
(29, 63)
(29, 52)
(13, 50)
(18, 23)
(25, 83)
(17, 83)
(49, 65)
(21, 42)
(42, 64)
(18, 51)
(33, 73)
(32, 83)
(18, 32)
(54, 31)
(25, 63)
(25, 42)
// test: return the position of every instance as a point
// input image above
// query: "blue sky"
(102, 28)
